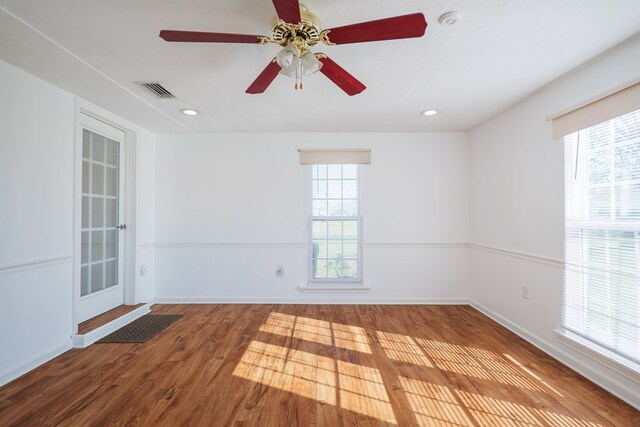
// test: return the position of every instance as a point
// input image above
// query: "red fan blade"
(200, 37)
(288, 10)
(340, 77)
(265, 78)
(399, 27)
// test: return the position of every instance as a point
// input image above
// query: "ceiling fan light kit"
(297, 30)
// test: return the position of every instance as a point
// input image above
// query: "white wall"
(231, 207)
(36, 217)
(37, 131)
(517, 213)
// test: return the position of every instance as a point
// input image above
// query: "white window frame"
(338, 282)
(589, 345)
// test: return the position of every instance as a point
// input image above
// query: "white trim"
(332, 288)
(35, 263)
(227, 245)
(602, 356)
(434, 245)
(521, 255)
(629, 395)
(429, 245)
(337, 300)
(85, 340)
(10, 375)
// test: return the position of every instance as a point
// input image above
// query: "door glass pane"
(84, 280)
(97, 212)
(98, 147)
(97, 183)
(97, 246)
(99, 236)
(97, 277)
(111, 274)
(112, 181)
(111, 212)
(112, 152)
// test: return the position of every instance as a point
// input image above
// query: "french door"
(101, 229)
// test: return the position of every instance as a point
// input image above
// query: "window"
(602, 235)
(335, 223)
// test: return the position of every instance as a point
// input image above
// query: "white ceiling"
(500, 52)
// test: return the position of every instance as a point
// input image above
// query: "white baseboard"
(18, 371)
(631, 396)
(85, 340)
(337, 300)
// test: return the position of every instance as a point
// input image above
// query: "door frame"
(127, 199)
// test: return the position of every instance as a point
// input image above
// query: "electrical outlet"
(279, 271)
(525, 292)
(143, 270)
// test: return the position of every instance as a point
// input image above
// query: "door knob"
(122, 226)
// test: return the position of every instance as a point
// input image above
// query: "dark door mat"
(142, 329)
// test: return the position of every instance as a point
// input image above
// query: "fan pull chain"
(301, 74)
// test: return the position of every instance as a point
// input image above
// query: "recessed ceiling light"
(429, 112)
(449, 18)
(189, 112)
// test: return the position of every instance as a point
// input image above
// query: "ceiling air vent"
(157, 89)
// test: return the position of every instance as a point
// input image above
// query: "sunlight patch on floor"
(433, 405)
(346, 385)
(402, 348)
(475, 362)
(318, 331)
(496, 412)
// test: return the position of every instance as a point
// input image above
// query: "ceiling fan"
(297, 30)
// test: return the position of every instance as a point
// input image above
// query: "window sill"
(318, 288)
(601, 355)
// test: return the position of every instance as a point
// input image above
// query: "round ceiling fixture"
(449, 18)
(429, 112)
(189, 112)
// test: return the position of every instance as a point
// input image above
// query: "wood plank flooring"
(313, 365)
(104, 318)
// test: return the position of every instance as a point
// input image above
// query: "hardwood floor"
(105, 318)
(288, 365)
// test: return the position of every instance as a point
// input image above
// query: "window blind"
(352, 156)
(602, 234)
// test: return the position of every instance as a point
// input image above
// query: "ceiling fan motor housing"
(304, 34)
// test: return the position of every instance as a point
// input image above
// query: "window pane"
(349, 171)
(335, 249)
(319, 249)
(319, 171)
(351, 229)
(350, 208)
(350, 189)
(112, 182)
(97, 245)
(319, 189)
(320, 269)
(335, 189)
(350, 249)
(97, 212)
(97, 179)
(335, 207)
(334, 171)
(350, 269)
(335, 230)
(319, 229)
(98, 147)
(112, 152)
(85, 176)
(319, 208)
